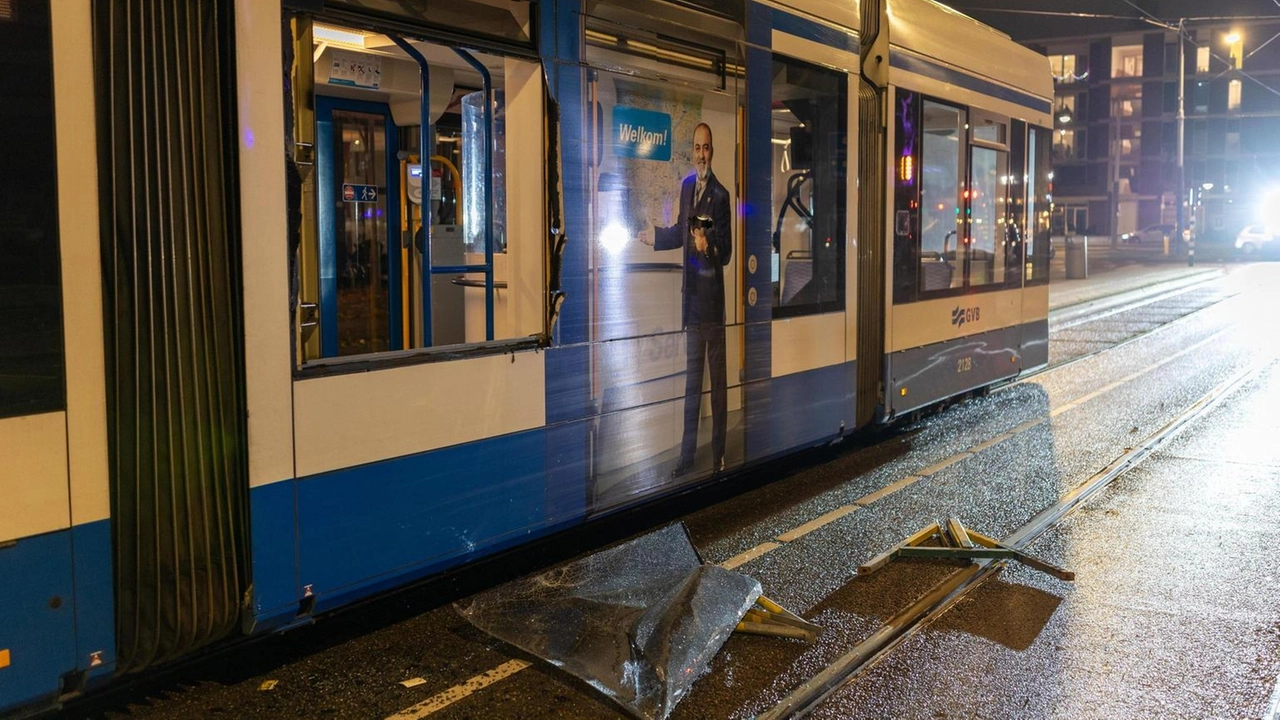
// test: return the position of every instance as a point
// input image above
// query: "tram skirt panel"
(174, 328)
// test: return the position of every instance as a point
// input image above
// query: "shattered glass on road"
(640, 622)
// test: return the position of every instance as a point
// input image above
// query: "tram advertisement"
(667, 308)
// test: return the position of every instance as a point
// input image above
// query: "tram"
(305, 300)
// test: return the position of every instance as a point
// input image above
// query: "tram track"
(1098, 309)
(946, 594)
(1108, 311)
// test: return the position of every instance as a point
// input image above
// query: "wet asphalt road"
(1174, 612)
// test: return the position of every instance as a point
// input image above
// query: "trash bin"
(1077, 258)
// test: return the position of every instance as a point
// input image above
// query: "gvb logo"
(960, 315)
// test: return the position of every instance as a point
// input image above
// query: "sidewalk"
(1124, 268)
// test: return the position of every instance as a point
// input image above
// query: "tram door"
(358, 198)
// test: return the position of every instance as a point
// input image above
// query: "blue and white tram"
(304, 300)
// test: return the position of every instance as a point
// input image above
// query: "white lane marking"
(748, 556)
(805, 529)
(442, 700)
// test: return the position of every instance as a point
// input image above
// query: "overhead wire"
(1148, 18)
(1185, 35)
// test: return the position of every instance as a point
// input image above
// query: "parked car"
(1151, 234)
(1255, 239)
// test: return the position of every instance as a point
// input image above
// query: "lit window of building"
(1233, 95)
(1126, 61)
(1202, 59)
(1065, 147)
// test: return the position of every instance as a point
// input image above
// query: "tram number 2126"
(964, 364)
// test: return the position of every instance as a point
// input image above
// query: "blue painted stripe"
(37, 618)
(388, 520)
(930, 69)
(273, 526)
(568, 377)
(809, 407)
(758, 243)
(807, 29)
(95, 598)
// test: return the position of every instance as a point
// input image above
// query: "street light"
(1235, 47)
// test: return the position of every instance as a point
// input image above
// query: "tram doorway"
(358, 199)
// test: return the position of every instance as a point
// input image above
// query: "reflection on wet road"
(1174, 612)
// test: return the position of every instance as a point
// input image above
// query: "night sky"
(1025, 26)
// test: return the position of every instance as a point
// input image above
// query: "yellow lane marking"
(457, 692)
(1026, 426)
(990, 443)
(886, 491)
(939, 467)
(749, 555)
(443, 700)
(805, 529)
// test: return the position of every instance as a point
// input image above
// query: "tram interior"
(366, 195)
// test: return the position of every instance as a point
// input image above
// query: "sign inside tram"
(359, 193)
(642, 134)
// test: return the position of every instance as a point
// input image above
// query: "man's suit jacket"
(715, 205)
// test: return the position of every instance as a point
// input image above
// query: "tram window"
(986, 236)
(1039, 205)
(906, 198)
(955, 201)
(31, 359)
(396, 246)
(942, 144)
(809, 152)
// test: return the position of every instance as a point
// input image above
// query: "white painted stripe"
(807, 342)
(81, 266)
(805, 529)
(34, 497)
(746, 557)
(264, 227)
(929, 321)
(886, 491)
(443, 700)
(452, 402)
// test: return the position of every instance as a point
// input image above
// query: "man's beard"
(702, 171)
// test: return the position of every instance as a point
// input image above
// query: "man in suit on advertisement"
(703, 230)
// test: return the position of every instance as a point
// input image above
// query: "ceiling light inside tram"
(338, 36)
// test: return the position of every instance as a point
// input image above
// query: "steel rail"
(947, 593)
(1097, 309)
(1136, 304)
